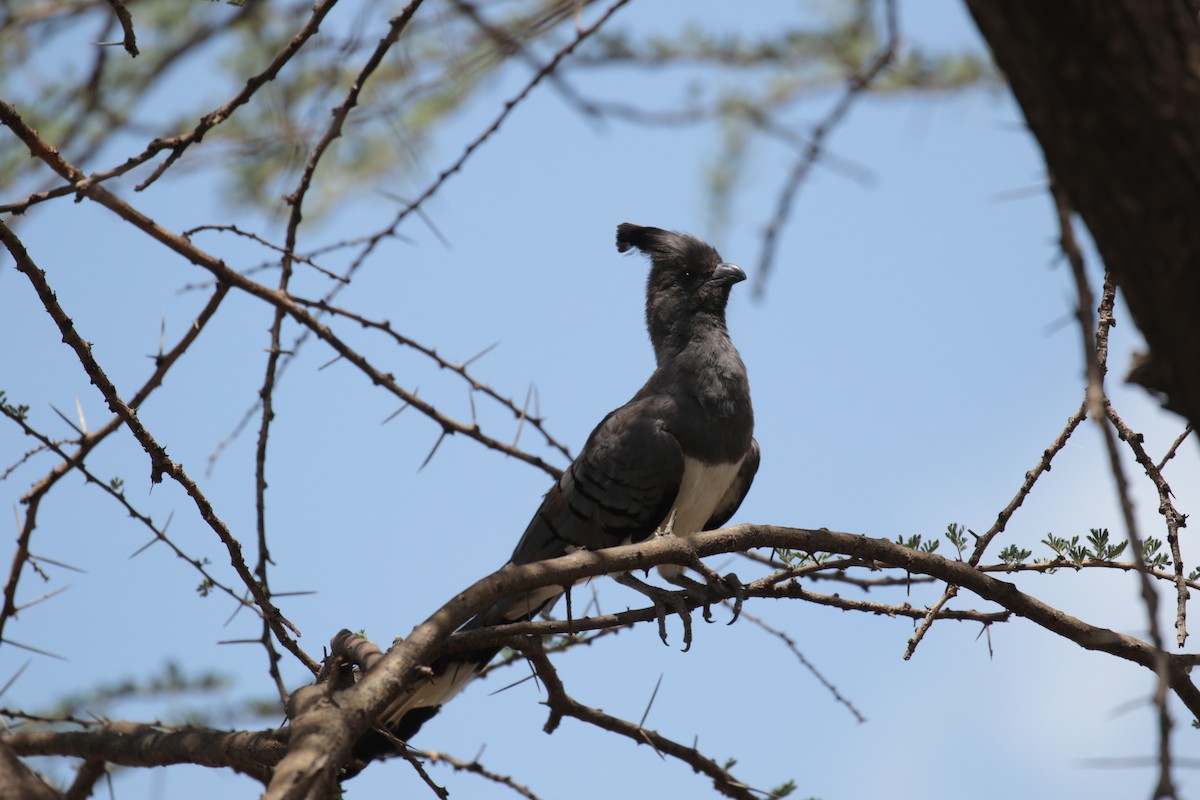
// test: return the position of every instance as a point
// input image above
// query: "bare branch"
(126, 20)
(223, 273)
(547, 69)
(1002, 519)
(160, 463)
(855, 86)
(563, 705)
(86, 777)
(475, 768)
(20, 780)
(139, 745)
(178, 144)
(790, 644)
(33, 497)
(1096, 358)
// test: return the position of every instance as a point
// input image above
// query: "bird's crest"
(664, 247)
(648, 240)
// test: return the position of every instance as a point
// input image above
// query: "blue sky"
(911, 359)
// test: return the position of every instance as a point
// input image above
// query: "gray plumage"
(679, 457)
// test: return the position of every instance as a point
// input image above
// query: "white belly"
(700, 493)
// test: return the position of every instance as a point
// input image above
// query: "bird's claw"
(715, 586)
(738, 590)
(664, 602)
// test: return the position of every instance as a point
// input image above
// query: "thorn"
(46, 596)
(240, 606)
(531, 676)
(32, 649)
(63, 417)
(57, 563)
(142, 549)
(646, 738)
(82, 421)
(479, 355)
(400, 410)
(13, 679)
(436, 445)
(330, 362)
(522, 415)
(986, 630)
(433, 228)
(653, 695)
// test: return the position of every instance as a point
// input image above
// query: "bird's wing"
(619, 489)
(737, 490)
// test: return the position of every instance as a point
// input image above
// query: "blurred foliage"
(99, 106)
(169, 697)
(171, 681)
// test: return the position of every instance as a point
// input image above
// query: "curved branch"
(32, 499)
(19, 779)
(41, 149)
(160, 463)
(326, 720)
(138, 745)
(324, 730)
(563, 705)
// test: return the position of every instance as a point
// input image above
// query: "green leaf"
(955, 535)
(1014, 555)
(782, 790)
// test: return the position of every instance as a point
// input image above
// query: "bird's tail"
(451, 673)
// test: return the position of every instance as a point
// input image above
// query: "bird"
(676, 459)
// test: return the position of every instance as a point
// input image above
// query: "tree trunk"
(1111, 90)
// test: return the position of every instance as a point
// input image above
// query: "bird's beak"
(727, 274)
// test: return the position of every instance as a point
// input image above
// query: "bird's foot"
(665, 601)
(668, 526)
(714, 587)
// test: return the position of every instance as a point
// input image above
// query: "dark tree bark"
(1111, 90)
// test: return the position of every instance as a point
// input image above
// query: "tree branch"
(137, 745)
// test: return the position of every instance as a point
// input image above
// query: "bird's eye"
(687, 274)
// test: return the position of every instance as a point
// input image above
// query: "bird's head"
(688, 280)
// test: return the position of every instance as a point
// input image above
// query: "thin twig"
(223, 273)
(178, 144)
(563, 705)
(1096, 355)
(855, 86)
(510, 105)
(475, 768)
(32, 499)
(790, 644)
(126, 20)
(160, 463)
(1174, 447)
(1002, 520)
